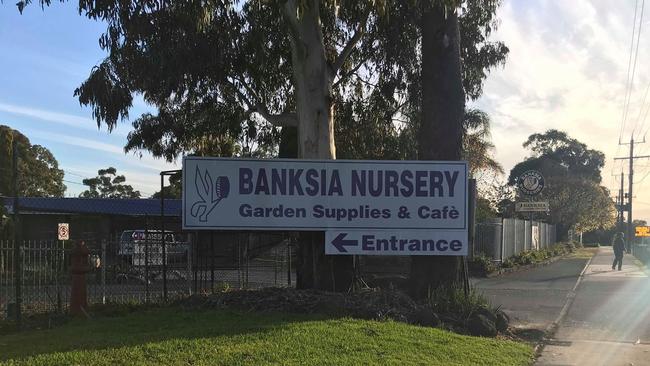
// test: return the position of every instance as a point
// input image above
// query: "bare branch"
(345, 53)
(286, 119)
(353, 71)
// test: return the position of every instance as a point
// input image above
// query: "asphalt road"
(608, 322)
(533, 298)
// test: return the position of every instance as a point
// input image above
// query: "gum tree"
(220, 72)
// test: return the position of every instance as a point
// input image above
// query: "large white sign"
(392, 242)
(246, 194)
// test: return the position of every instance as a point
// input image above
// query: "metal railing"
(141, 274)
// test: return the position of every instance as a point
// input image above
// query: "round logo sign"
(531, 183)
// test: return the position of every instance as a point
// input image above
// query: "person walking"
(619, 250)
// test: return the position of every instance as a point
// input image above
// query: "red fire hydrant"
(78, 269)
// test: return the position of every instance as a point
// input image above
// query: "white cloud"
(567, 70)
(50, 116)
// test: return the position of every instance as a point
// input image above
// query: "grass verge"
(172, 336)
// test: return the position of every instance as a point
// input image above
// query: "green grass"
(172, 336)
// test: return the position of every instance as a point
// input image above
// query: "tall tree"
(235, 69)
(38, 171)
(572, 173)
(443, 105)
(107, 184)
(557, 153)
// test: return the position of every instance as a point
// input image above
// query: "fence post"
(18, 278)
(103, 271)
(503, 238)
(212, 261)
(146, 258)
(188, 254)
(289, 263)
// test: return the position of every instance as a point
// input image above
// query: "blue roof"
(102, 206)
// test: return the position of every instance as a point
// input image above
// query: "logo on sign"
(210, 193)
(531, 183)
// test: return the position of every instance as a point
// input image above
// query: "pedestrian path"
(608, 322)
(535, 297)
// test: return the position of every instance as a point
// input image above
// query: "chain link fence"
(500, 239)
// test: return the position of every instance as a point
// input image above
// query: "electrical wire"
(630, 83)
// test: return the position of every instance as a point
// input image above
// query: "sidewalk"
(609, 320)
(533, 298)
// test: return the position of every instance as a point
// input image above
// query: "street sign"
(319, 195)
(532, 207)
(531, 183)
(642, 231)
(64, 231)
(390, 242)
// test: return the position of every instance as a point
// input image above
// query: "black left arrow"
(340, 243)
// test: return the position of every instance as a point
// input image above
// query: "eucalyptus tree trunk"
(443, 104)
(313, 89)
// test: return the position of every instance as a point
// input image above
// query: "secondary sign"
(389, 242)
(532, 207)
(64, 231)
(318, 195)
(642, 231)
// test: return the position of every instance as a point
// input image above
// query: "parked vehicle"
(139, 247)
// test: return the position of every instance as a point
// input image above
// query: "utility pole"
(621, 203)
(630, 178)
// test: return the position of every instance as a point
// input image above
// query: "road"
(608, 322)
(533, 298)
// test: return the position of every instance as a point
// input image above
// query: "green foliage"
(38, 171)
(557, 154)
(221, 74)
(454, 301)
(538, 255)
(477, 147)
(108, 184)
(481, 264)
(174, 336)
(174, 189)
(572, 174)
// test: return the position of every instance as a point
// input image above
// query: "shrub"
(454, 301)
(482, 264)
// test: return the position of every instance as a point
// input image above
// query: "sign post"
(365, 207)
(63, 234)
(531, 183)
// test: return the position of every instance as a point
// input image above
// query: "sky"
(567, 69)
(44, 56)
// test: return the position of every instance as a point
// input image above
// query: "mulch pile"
(369, 304)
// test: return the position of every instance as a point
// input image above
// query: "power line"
(71, 182)
(630, 79)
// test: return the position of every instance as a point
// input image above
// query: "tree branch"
(285, 119)
(289, 13)
(353, 71)
(345, 53)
